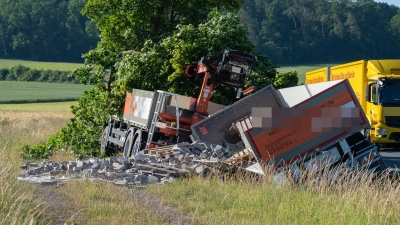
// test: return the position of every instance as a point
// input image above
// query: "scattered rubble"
(151, 166)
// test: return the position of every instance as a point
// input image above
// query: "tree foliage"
(321, 31)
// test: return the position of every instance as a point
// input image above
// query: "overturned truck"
(307, 128)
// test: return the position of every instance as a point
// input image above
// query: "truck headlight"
(381, 131)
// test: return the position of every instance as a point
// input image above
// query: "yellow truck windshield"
(390, 95)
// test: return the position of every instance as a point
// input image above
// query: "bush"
(23, 73)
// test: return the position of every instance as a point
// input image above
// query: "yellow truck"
(376, 84)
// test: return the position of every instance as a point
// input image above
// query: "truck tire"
(137, 145)
(128, 144)
(104, 148)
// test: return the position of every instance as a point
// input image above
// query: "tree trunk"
(3, 41)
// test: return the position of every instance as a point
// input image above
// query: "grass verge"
(9, 63)
(106, 203)
(246, 201)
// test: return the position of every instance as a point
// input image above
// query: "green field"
(26, 92)
(8, 63)
(301, 70)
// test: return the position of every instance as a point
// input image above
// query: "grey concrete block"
(110, 175)
(152, 159)
(153, 179)
(208, 146)
(138, 177)
(219, 153)
(174, 160)
(121, 182)
(93, 172)
(34, 171)
(199, 169)
(204, 155)
(144, 180)
(196, 151)
(105, 165)
(33, 165)
(46, 182)
(79, 163)
(122, 160)
(95, 165)
(218, 148)
(24, 166)
(92, 160)
(118, 167)
(85, 172)
(199, 146)
(127, 165)
(49, 167)
(183, 144)
(112, 160)
(63, 167)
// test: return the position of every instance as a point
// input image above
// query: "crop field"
(25, 92)
(301, 70)
(8, 63)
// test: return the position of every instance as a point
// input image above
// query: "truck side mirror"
(106, 79)
(368, 92)
(374, 96)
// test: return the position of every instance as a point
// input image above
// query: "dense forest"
(51, 30)
(287, 31)
(319, 31)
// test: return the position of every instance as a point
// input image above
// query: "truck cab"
(383, 108)
(376, 84)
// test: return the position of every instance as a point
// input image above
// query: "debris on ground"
(151, 166)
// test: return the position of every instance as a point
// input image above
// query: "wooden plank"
(240, 157)
(244, 139)
(244, 125)
(248, 122)
(170, 167)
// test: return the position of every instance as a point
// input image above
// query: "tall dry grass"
(339, 197)
(99, 203)
(17, 204)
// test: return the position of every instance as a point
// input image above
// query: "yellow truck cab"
(376, 84)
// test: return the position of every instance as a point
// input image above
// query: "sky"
(390, 2)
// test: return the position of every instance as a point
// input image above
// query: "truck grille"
(395, 136)
(392, 121)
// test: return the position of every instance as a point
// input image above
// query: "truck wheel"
(104, 148)
(137, 145)
(128, 145)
